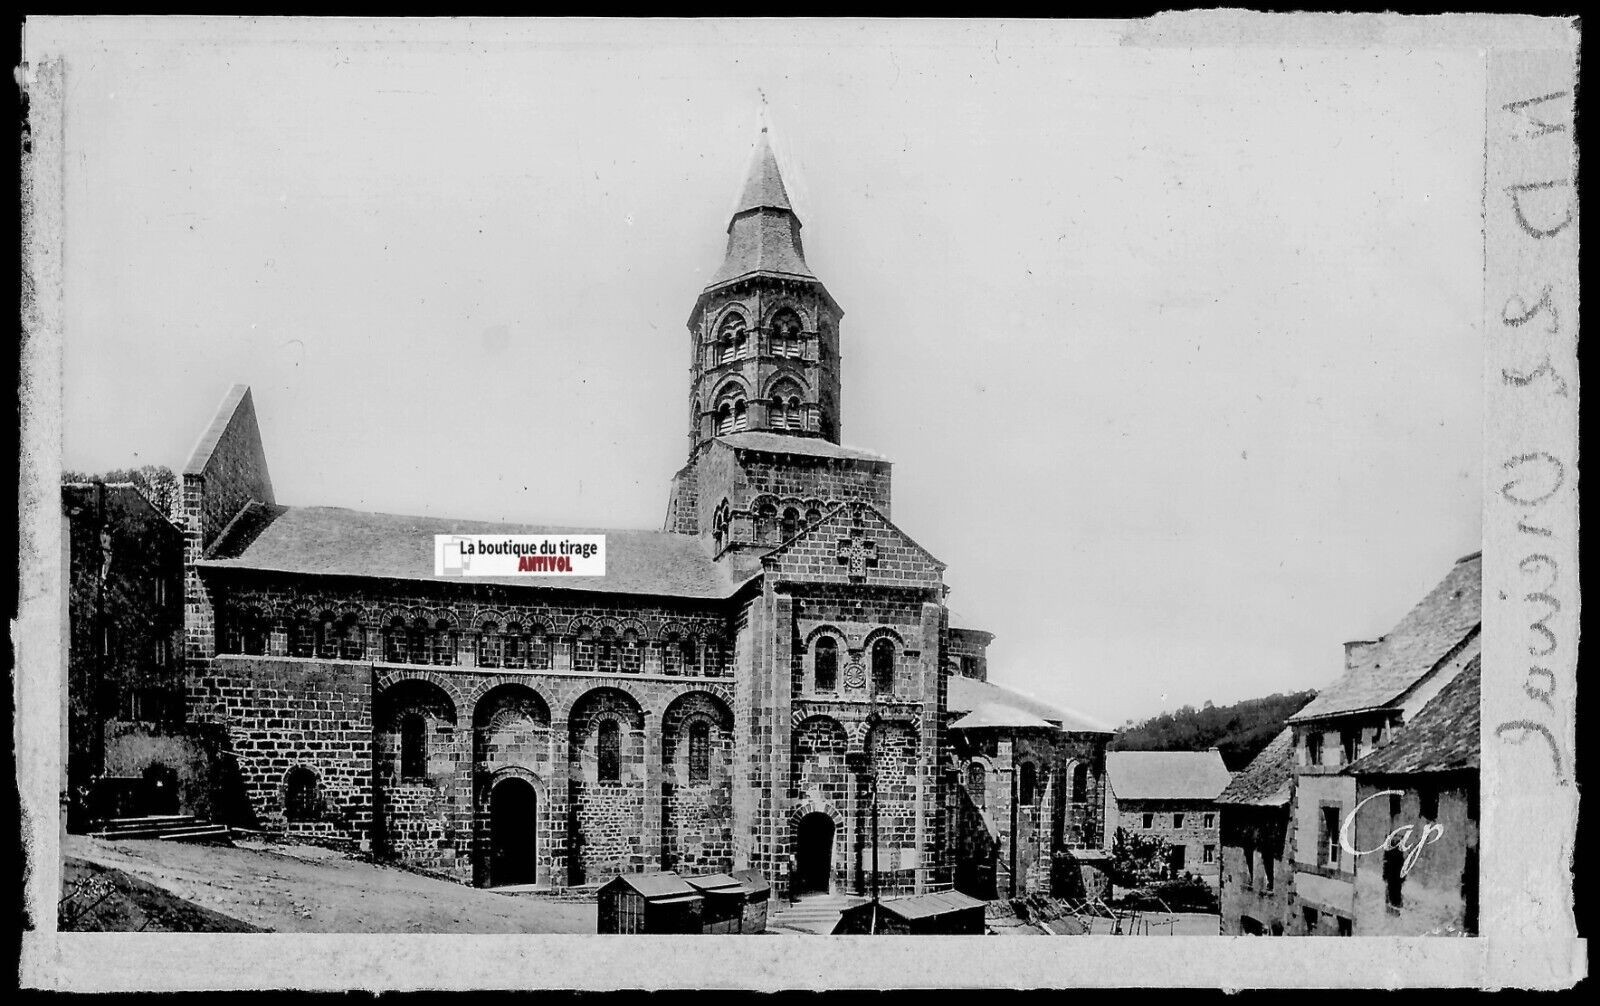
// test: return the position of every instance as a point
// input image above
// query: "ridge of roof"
(1429, 633)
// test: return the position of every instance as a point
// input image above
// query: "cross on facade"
(858, 554)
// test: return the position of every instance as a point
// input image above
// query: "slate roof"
(923, 906)
(659, 884)
(1167, 775)
(993, 714)
(966, 695)
(1431, 630)
(779, 443)
(764, 233)
(1268, 779)
(238, 394)
(337, 541)
(1442, 738)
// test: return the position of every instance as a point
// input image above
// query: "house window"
(699, 753)
(1314, 749)
(1249, 866)
(1208, 854)
(1177, 820)
(883, 667)
(1347, 927)
(1393, 879)
(300, 795)
(1028, 782)
(1428, 800)
(826, 661)
(1311, 918)
(413, 747)
(1149, 821)
(1080, 783)
(1330, 836)
(1351, 741)
(609, 744)
(1209, 820)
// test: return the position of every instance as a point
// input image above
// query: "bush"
(1185, 894)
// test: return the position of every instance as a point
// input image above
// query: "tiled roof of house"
(780, 443)
(336, 541)
(969, 694)
(1167, 775)
(1267, 780)
(1429, 632)
(1442, 738)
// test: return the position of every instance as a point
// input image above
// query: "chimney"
(1356, 650)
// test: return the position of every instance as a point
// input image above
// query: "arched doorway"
(813, 854)
(513, 832)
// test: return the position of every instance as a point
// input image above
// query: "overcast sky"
(1177, 352)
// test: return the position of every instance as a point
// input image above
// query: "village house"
(1170, 796)
(127, 750)
(1339, 756)
(1256, 882)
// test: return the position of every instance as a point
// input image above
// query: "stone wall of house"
(1437, 895)
(1256, 879)
(1197, 838)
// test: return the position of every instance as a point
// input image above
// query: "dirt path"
(309, 890)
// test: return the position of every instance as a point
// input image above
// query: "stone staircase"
(812, 915)
(166, 827)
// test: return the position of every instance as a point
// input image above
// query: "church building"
(740, 690)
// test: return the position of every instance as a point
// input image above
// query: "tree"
(156, 483)
(1137, 859)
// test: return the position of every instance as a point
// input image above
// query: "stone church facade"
(728, 696)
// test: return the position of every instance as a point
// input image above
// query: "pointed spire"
(763, 186)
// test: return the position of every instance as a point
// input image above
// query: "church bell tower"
(764, 333)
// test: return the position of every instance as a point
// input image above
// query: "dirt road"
(304, 889)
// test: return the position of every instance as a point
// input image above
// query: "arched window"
(790, 525)
(795, 416)
(538, 649)
(255, 634)
(719, 525)
(766, 522)
(350, 642)
(776, 413)
(699, 753)
(732, 338)
(786, 333)
(489, 645)
(1027, 783)
(825, 661)
(690, 653)
(608, 744)
(607, 659)
(413, 747)
(302, 636)
(444, 643)
(394, 641)
(741, 416)
(813, 515)
(419, 641)
(512, 649)
(1080, 783)
(724, 418)
(977, 780)
(883, 666)
(300, 795)
(327, 636)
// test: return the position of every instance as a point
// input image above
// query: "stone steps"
(166, 827)
(812, 916)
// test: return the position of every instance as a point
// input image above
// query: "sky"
(1177, 352)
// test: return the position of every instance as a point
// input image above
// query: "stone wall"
(1194, 835)
(1438, 895)
(1256, 878)
(282, 714)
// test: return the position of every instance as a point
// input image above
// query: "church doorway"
(813, 854)
(513, 832)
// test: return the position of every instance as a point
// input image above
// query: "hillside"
(1239, 730)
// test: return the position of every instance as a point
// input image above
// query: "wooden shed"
(660, 902)
(948, 913)
(734, 902)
